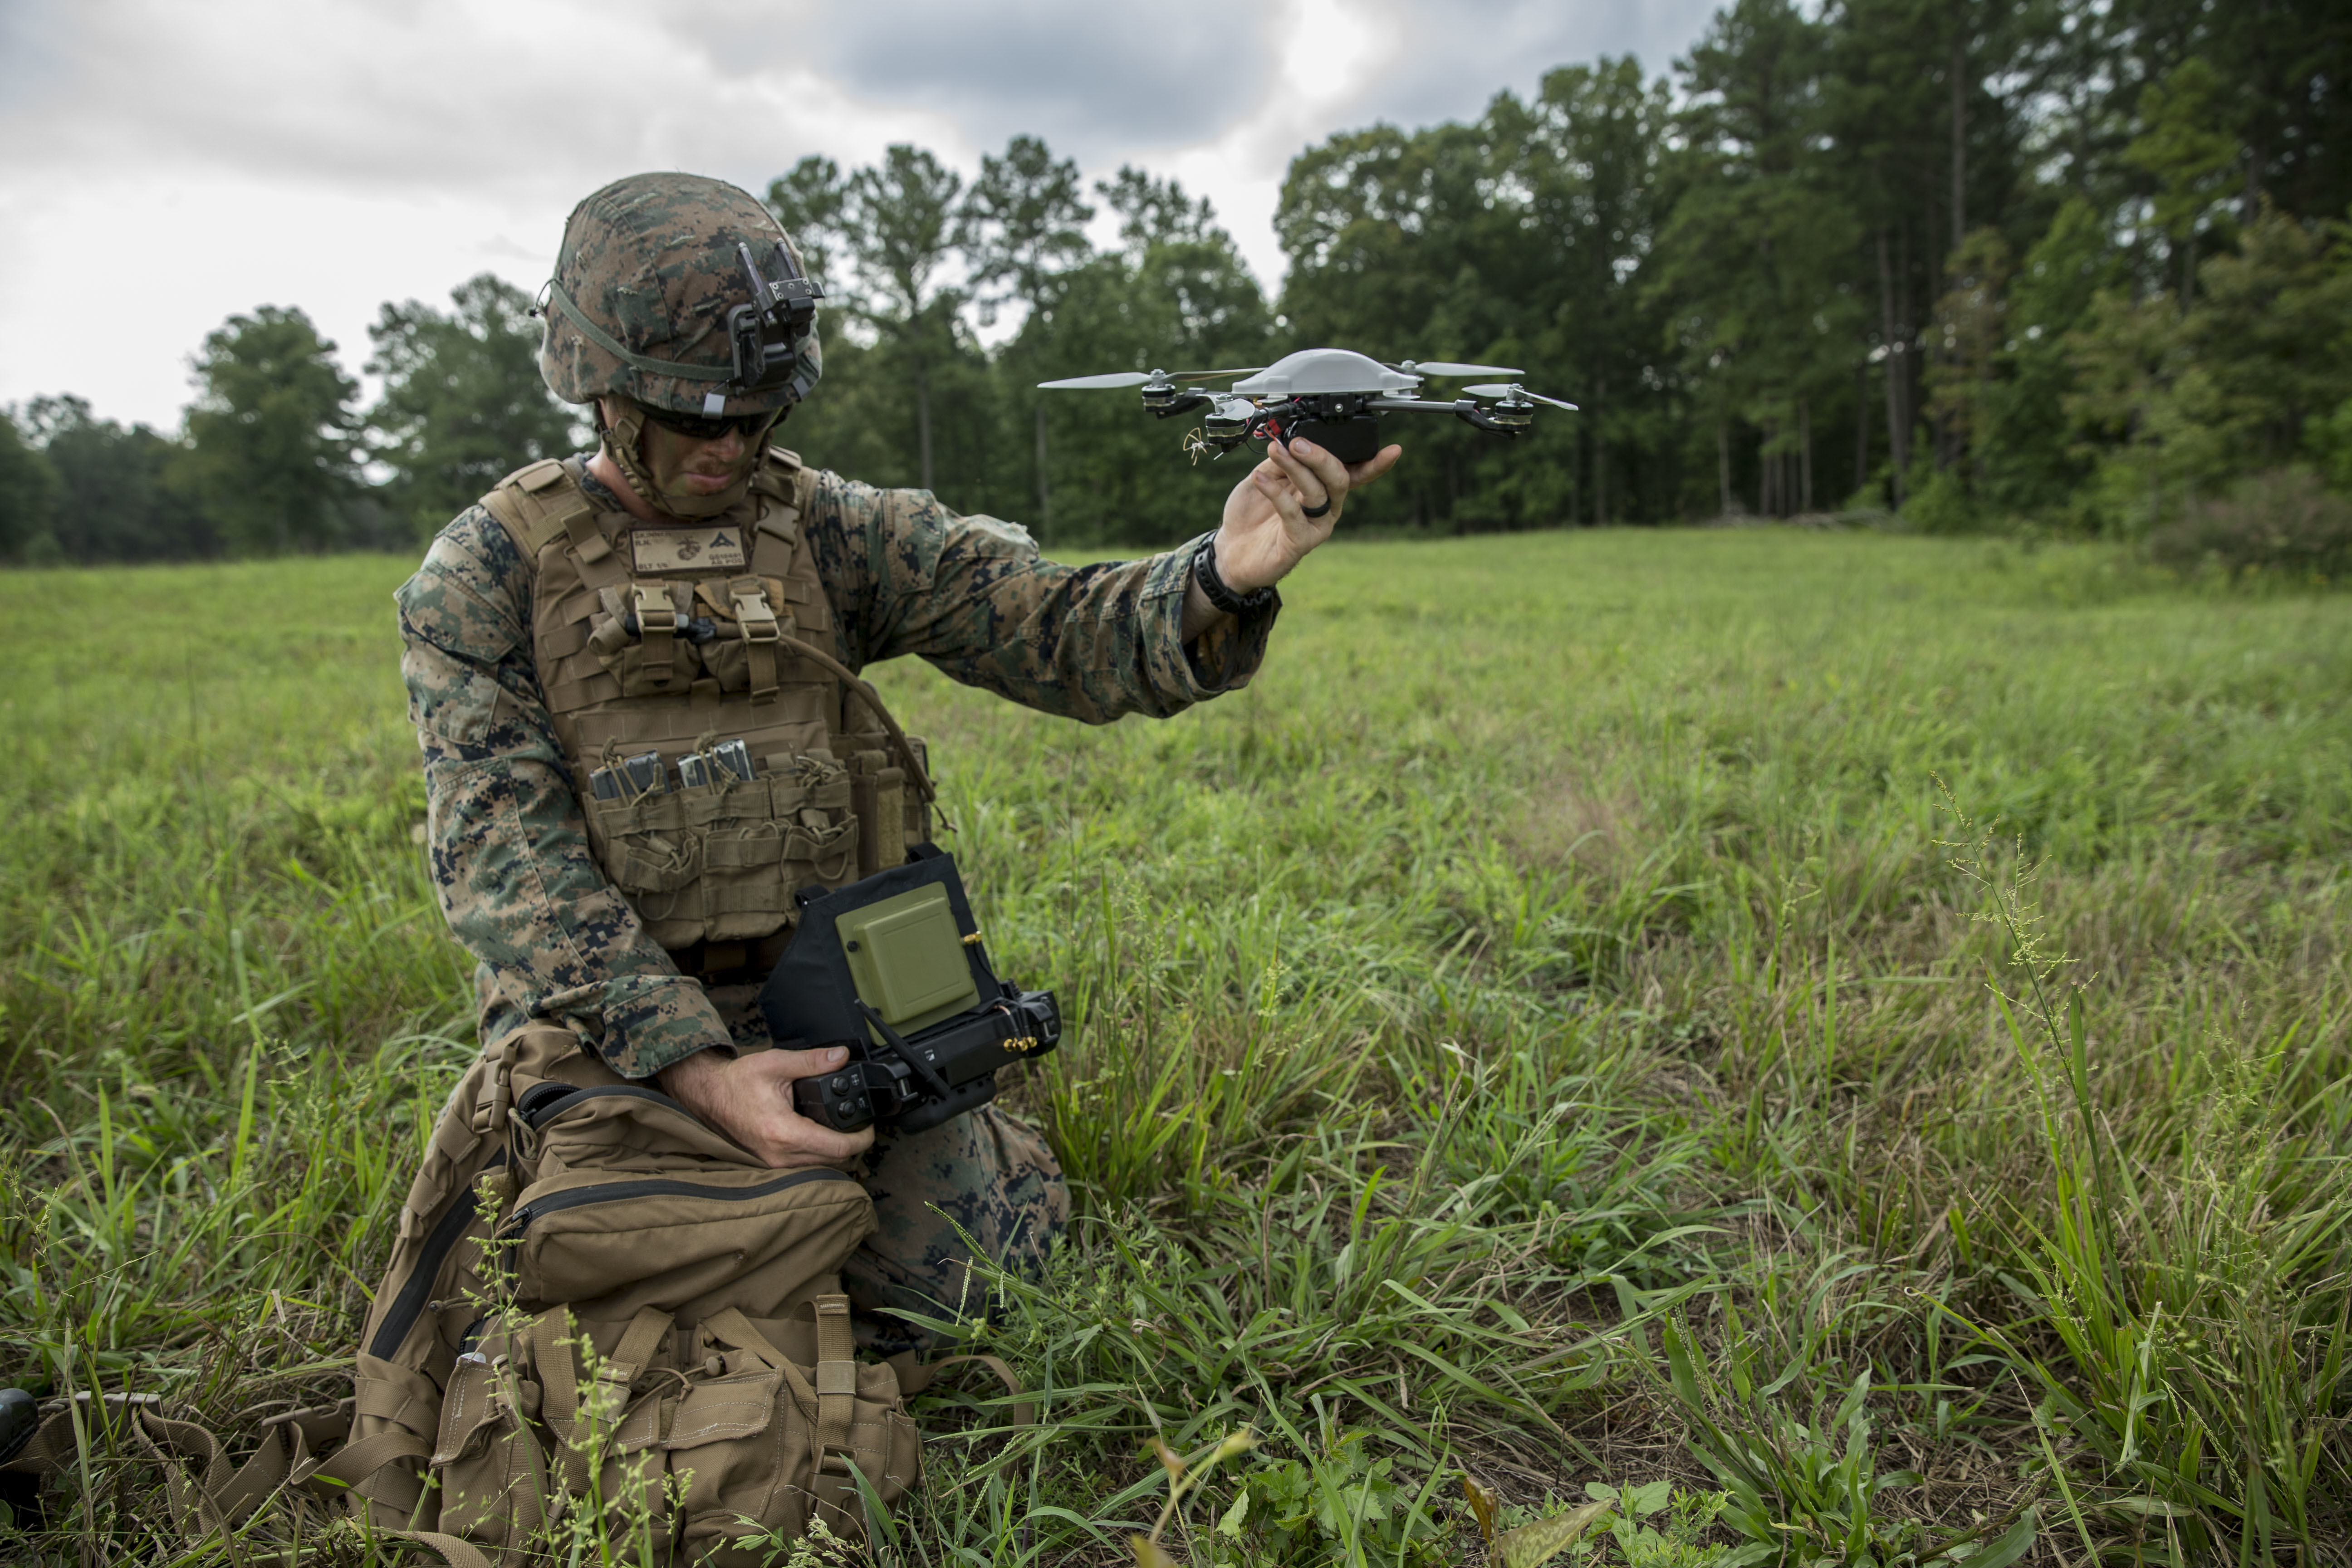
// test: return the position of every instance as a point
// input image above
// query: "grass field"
(1850, 1027)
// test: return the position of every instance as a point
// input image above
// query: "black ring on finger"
(1316, 511)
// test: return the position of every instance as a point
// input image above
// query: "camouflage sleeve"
(509, 852)
(972, 595)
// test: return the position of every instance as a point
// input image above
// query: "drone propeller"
(1447, 367)
(1135, 378)
(1094, 382)
(1496, 390)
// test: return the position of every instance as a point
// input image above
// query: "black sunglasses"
(698, 427)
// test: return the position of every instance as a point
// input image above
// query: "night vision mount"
(1333, 397)
(765, 334)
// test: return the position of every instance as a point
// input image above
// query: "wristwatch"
(1214, 589)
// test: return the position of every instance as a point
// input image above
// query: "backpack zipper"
(550, 1110)
(418, 1286)
(532, 1213)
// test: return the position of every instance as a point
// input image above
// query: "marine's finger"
(802, 1142)
(1373, 466)
(790, 1064)
(823, 1146)
(1306, 480)
(1327, 469)
(1281, 495)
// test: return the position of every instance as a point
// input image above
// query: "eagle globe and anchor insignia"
(681, 549)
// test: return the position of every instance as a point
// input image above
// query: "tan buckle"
(658, 621)
(755, 618)
(655, 612)
(501, 1095)
(753, 612)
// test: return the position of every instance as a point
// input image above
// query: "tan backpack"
(601, 1314)
(600, 1318)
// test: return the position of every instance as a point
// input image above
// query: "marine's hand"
(749, 1099)
(1266, 531)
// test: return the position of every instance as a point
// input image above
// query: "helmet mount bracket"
(764, 335)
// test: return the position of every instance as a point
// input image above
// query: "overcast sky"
(168, 163)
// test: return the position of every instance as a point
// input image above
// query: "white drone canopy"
(1323, 372)
(1313, 371)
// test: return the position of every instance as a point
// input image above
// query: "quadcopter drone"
(1330, 396)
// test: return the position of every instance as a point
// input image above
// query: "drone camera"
(765, 334)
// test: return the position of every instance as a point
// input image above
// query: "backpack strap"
(790, 489)
(355, 1462)
(731, 1327)
(639, 1341)
(455, 1553)
(837, 1397)
(834, 1392)
(215, 1501)
(580, 1423)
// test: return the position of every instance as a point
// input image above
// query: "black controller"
(941, 1073)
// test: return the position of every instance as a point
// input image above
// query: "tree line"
(2077, 262)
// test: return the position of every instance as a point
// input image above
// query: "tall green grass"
(1553, 1026)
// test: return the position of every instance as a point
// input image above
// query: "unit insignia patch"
(685, 549)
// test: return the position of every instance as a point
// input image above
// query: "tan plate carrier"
(841, 790)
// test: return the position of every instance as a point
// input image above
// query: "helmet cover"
(667, 293)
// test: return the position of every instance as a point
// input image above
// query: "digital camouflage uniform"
(555, 941)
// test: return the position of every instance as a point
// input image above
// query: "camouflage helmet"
(681, 293)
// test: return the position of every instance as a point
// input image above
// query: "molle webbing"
(668, 640)
(536, 505)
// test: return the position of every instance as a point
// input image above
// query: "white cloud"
(170, 163)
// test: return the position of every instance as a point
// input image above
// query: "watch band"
(1213, 588)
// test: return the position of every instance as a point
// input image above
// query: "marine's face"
(690, 467)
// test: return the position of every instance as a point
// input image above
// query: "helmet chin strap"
(623, 439)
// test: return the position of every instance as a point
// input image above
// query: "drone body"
(1332, 397)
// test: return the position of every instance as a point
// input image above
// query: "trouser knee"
(986, 1176)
